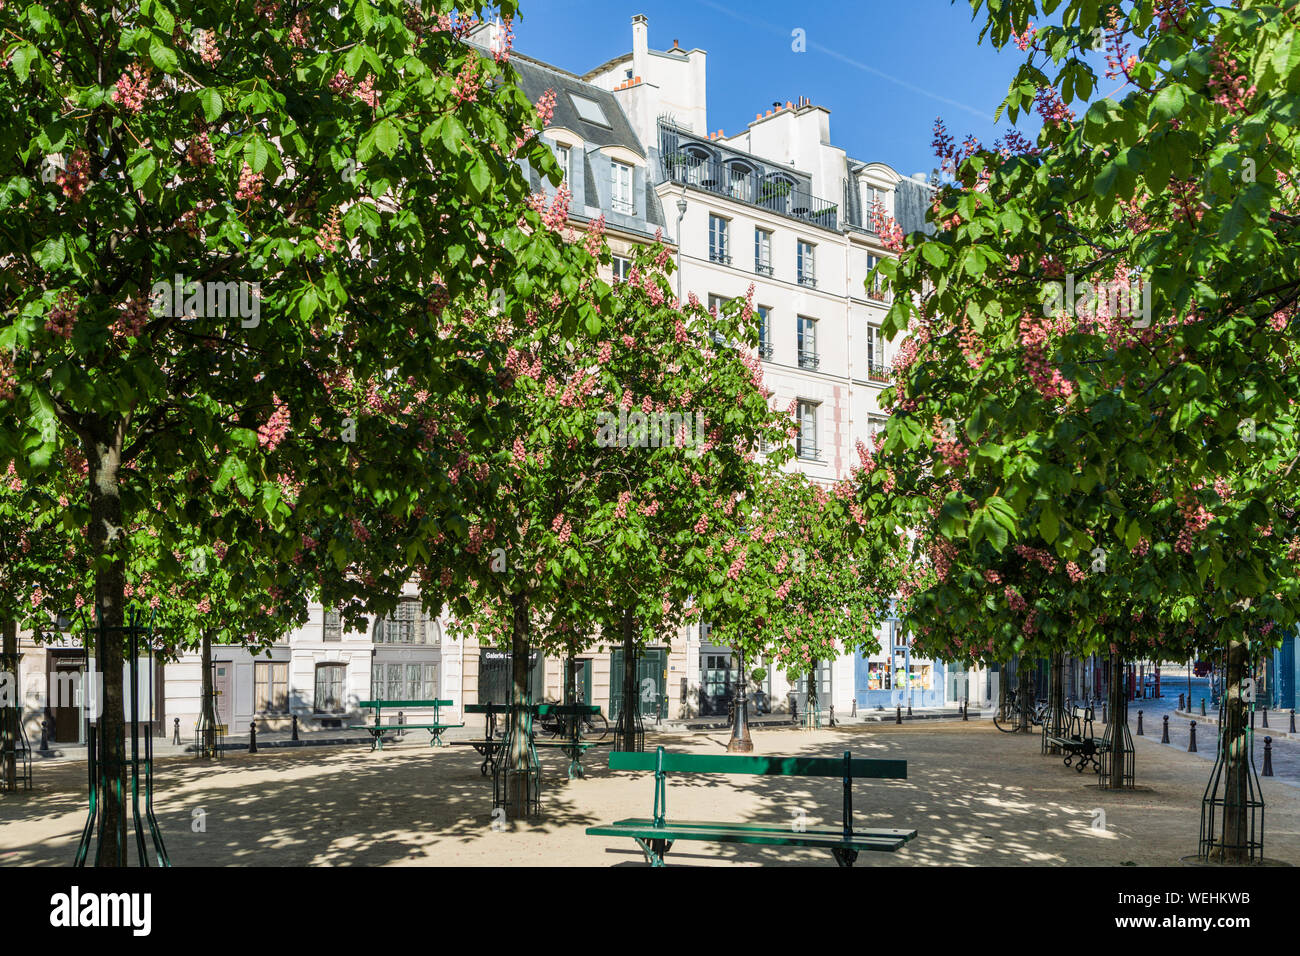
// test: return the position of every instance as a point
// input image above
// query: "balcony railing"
(765, 350)
(808, 360)
(716, 255)
(808, 278)
(878, 295)
(773, 191)
(762, 267)
(807, 450)
(877, 372)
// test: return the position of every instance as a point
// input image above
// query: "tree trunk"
(1236, 756)
(1024, 694)
(1002, 690)
(207, 705)
(520, 752)
(631, 699)
(740, 741)
(1116, 721)
(1056, 696)
(107, 542)
(10, 712)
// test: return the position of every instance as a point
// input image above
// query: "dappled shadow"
(976, 797)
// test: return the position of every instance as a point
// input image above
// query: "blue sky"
(885, 70)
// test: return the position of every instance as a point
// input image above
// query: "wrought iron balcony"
(877, 372)
(808, 360)
(808, 278)
(719, 256)
(762, 268)
(765, 350)
(807, 450)
(774, 191)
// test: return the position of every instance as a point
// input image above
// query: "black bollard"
(45, 735)
(854, 711)
(1264, 725)
(1180, 701)
(1164, 736)
(252, 737)
(1202, 706)
(832, 717)
(1191, 745)
(1268, 756)
(965, 709)
(1140, 734)
(295, 727)
(1293, 721)
(898, 716)
(176, 730)
(909, 708)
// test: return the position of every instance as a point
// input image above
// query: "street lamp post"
(681, 214)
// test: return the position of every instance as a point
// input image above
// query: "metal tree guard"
(1225, 836)
(103, 775)
(13, 735)
(507, 778)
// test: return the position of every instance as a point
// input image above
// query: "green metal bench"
(378, 729)
(1079, 741)
(656, 836)
(573, 746)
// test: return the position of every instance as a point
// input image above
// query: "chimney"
(640, 45)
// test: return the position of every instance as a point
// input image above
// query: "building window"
(806, 266)
(404, 681)
(875, 284)
(564, 156)
(622, 198)
(329, 688)
(588, 109)
(333, 626)
(764, 333)
(622, 266)
(875, 355)
(875, 426)
(806, 442)
(270, 687)
(719, 246)
(807, 331)
(762, 251)
(741, 180)
(406, 625)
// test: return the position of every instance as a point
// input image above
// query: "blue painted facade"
(1286, 674)
(927, 687)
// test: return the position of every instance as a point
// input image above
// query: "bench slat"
(386, 704)
(723, 834)
(859, 767)
(881, 833)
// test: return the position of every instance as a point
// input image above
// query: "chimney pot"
(789, 105)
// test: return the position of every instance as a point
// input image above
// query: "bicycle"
(592, 727)
(1008, 720)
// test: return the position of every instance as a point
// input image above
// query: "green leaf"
(162, 55)
(210, 100)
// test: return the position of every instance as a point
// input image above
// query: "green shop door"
(651, 678)
(582, 682)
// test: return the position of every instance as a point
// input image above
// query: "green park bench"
(489, 744)
(656, 836)
(572, 745)
(1078, 742)
(377, 729)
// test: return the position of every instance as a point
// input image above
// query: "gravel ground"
(976, 796)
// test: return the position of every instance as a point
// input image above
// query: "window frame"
(269, 698)
(719, 239)
(626, 207)
(805, 336)
(763, 263)
(340, 705)
(806, 263)
(802, 408)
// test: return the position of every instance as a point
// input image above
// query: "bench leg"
(844, 856)
(654, 850)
